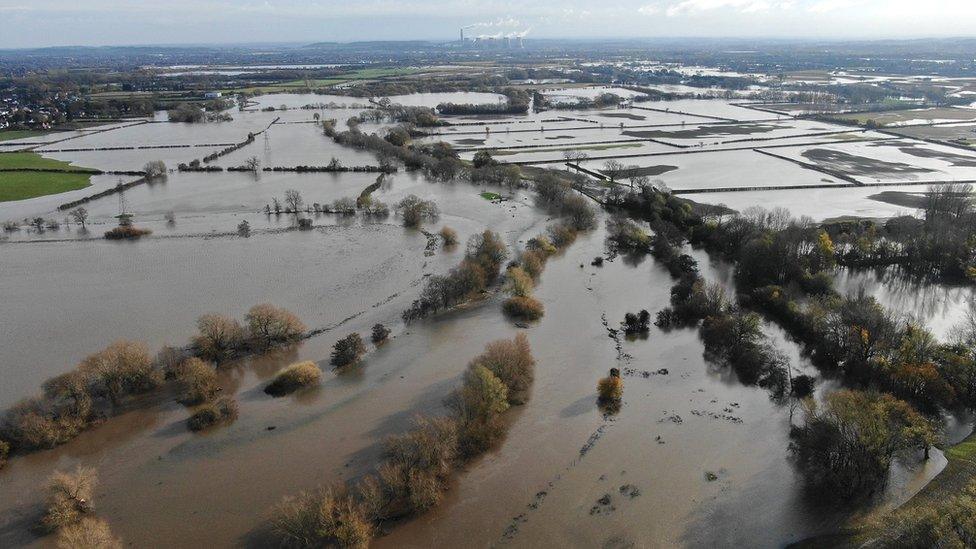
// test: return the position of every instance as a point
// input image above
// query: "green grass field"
(7, 135)
(20, 160)
(23, 185)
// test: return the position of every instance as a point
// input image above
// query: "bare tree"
(293, 201)
(252, 164)
(80, 215)
(613, 169)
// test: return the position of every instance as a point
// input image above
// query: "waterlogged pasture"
(693, 457)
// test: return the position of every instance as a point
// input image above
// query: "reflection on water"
(938, 306)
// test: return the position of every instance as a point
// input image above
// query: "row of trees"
(417, 465)
(103, 382)
(478, 270)
(783, 269)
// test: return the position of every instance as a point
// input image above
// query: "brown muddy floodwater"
(545, 485)
(566, 475)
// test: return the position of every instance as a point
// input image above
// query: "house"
(212, 95)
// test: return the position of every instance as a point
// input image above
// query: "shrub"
(551, 189)
(526, 308)
(68, 497)
(126, 232)
(154, 168)
(611, 388)
(802, 386)
(121, 369)
(222, 410)
(219, 338)
(88, 533)
(418, 462)
(295, 521)
(541, 244)
(294, 377)
(415, 210)
(476, 405)
(449, 236)
(269, 325)
(4, 453)
(637, 323)
(380, 333)
(348, 350)
(328, 518)
(518, 282)
(487, 251)
(198, 381)
(511, 360)
(562, 235)
(430, 447)
(30, 425)
(533, 262)
(578, 213)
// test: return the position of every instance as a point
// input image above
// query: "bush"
(527, 308)
(511, 360)
(802, 386)
(562, 235)
(533, 262)
(4, 453)
(578, 213)
(348, 350)
(418, 463)
(222, 410)
(380, 333)
(68, 497)
(268, 325)
(123, 368)
(611, 388)
(542, 245)
(88, 533)
(154, 168)
(126, 232)
(637, 323)
(294, 377)
(449, 236)
(198, 381)
(328, 518)
(476, 405)
(415, 211)
(489, 252)
(518, 282)
(219, 338)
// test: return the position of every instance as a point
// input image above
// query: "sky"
(35, 23)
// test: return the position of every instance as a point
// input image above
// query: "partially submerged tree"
(348, 350)
(69, 497)
(845, 447)
(154, 169)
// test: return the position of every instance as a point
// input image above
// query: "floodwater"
(162, 484)
(66, 295)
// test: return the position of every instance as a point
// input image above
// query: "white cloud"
(649, 9)
(742, 6)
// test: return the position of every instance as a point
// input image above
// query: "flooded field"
(693, 458)
(722, 169)
(889, 161)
